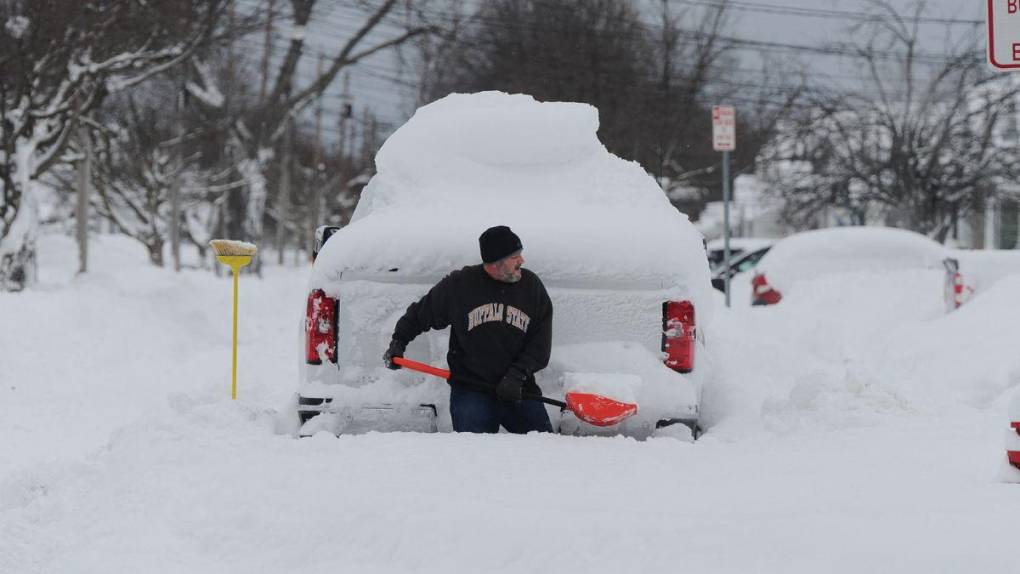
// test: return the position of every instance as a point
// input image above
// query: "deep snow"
(845, 439)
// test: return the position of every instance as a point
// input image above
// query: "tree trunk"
(17, 234)
(17, 264)
(155, 247)
(253, 172)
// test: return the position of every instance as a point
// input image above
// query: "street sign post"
(1004, 34)
(724, 139)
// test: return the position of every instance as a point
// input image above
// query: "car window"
(741, 263)
(752, 259)
(715, 256)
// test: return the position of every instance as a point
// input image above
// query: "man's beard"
(511, 275)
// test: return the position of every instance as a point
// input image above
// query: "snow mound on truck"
(508, 150)
(471, 161)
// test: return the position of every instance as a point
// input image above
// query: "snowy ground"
(850, 433)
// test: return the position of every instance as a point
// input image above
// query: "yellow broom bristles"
(231, 247)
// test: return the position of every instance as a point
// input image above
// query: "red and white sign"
(724, 127)
(1004, 34)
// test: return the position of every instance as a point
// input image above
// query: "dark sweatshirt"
(494, 325)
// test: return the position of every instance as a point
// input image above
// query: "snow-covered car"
(1011, 469)
(982, 268)
(716, 249)
(626, 271)
(742, 263)
(880, 254)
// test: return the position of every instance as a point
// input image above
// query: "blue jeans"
(481, 412)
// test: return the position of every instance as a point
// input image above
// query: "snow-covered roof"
(471, 161)
(848, 249)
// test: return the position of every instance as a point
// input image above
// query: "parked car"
(738, 246)
(625, 270)
(843, 250)
(1011, 467)
(982, 268)
(740, 264)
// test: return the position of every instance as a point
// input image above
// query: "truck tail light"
(320, 328)
(1014, 455)
(762, 293)
(678, 335)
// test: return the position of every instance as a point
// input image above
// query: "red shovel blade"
(599, 410)
(591, 408)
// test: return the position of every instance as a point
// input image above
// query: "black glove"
(396, 350)
(511, 388)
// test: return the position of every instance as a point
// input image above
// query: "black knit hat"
(498, 242)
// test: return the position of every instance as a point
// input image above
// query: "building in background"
(752, 213)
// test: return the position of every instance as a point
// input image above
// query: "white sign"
(724, 127)
(1004, 34)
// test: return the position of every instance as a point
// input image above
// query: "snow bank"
(205, 486)
(86, 354)
(122, 453)
(812, 254)
(467, 162)
(981, 269)
(837, 356)
(965, 359)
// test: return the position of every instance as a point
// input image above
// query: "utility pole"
(346, 111)
(267, 45)
(283, 208)
(175, 185)
(345, 114)
(315, 209)
(84, 181)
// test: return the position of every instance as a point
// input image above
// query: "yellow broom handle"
(233, 378)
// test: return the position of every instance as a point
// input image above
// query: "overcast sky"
(813, 23)
(823, 29)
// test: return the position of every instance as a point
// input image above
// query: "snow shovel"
(591, 408)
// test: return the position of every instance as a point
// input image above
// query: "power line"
(826, 13)
(736, 42)
(387, 75)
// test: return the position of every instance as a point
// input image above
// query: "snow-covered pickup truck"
(626, 272)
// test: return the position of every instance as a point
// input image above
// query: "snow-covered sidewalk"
(121, 451)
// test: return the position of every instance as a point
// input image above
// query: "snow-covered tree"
(258, 128)
(918, 142)
(58, 61)
(138, 163)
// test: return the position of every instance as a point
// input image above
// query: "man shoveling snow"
(501, 334)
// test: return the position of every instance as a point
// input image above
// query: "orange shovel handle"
(421, 367)
(591, 408)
